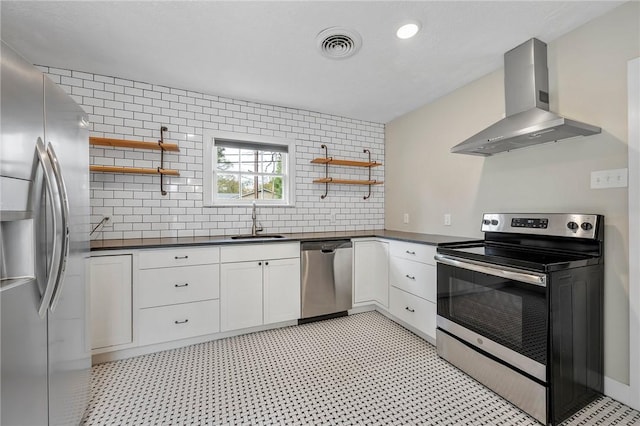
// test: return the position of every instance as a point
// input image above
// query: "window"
(241, 169)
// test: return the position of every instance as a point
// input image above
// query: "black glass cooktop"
(517, 257)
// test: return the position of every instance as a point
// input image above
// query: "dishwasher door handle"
(328, 250)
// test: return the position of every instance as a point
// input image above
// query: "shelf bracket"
(161, 143)
(369, 194)
(326, 171)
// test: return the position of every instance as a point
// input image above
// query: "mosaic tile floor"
(362, 369)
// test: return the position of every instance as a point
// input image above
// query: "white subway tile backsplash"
(110, 87)
(122, 108)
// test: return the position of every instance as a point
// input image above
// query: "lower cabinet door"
(111, 311)
(413, 310)
(181, 321)
(240, 295)
(371, 272)
(281, 290)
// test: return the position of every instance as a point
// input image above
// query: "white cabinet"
(180, 321)
(257, 286)
(281, 290)
(413, 310)
(178, 293)
(169, 257)
(168, 286)
(412, 277)
(371, 272)
(241, 295)
(111, 297)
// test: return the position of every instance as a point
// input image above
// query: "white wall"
(126, 109)
(587, 74)
(633, 391)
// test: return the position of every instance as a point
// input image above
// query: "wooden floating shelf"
(326, 160)
(122, 143)
(345, 162)
(348, 181)
(136, 170)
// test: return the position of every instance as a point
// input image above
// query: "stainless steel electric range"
(522, 311)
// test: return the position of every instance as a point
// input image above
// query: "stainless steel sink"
(257, 237)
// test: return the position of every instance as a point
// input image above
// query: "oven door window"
(510, 313)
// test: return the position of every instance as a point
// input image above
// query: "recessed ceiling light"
(408, 30)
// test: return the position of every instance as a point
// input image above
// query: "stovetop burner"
(534, 241)
(542, 261)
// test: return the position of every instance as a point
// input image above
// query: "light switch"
(405, 218)
(614, 178)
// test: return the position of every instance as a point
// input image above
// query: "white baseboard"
(361, 308)
(621, 392)
(130, 351)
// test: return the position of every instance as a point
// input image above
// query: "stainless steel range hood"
(528, 120)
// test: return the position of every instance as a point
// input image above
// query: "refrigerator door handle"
(64, 205)
(42, 158)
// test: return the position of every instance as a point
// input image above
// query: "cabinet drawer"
(413, 310)
(175, 322)
(414, 277)
(248, 252)
(166, 258)
(169, 286)
(418, 252)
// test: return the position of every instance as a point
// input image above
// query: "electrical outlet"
(104, 223)
(332, 218)
(405, 218)
(447, 219)
(614, 178)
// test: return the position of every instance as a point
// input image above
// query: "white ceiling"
(265, 51)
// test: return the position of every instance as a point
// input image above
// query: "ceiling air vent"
(338, 43)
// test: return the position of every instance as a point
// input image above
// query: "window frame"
(209, 175)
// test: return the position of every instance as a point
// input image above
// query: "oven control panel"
(523, 222)
(556, 224)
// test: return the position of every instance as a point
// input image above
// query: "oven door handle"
(502, 271)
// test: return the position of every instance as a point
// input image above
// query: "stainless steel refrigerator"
(44, 249)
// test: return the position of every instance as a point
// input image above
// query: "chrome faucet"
(254, 228)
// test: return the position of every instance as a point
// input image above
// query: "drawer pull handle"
(410, 277)
(410, 252)
(182, 322)
(409, 309)
(180, 257)
(181, 285)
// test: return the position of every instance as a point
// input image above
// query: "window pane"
(227, 159)
(248, 187)
(247, 161)
(247, 171)
(228, 187)
(271, 162)
(271, 188)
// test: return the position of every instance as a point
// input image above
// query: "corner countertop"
(144, 243)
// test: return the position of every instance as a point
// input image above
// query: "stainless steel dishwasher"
(326, 279)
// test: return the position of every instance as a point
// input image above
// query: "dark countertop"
(142, 243)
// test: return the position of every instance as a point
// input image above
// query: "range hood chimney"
(528, 120)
